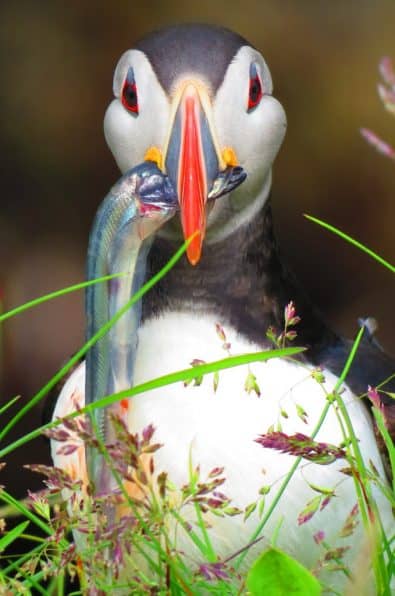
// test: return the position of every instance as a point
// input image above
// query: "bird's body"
(239, 283)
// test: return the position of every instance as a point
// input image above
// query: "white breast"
(219, 428)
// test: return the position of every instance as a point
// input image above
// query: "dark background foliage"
(57, 61)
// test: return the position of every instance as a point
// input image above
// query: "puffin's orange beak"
(192, 162)
(192, 178)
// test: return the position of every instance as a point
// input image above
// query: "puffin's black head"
(205, 50)
(195, 99)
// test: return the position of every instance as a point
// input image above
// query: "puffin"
(196, 99)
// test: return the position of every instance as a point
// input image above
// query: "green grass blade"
(9, 404)
(389, 443)
(12, 535)
(169, 379)
(32, 581)
(352, 241)
(188, 374)
(56, 294)
(350, 359)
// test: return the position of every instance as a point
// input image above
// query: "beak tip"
(194, 250)
(193, 258)
(194, 261)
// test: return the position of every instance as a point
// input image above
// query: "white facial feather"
(256, 137)
(129, 135)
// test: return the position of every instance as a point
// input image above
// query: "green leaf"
(276, 574)
(12, 535)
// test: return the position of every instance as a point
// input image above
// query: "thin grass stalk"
(352, 241)
(57, 294)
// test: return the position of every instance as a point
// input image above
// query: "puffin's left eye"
(255, 91)
(129, 93)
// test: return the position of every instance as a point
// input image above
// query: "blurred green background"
(57, 61)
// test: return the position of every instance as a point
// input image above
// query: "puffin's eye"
(129, 93)
(255, 91)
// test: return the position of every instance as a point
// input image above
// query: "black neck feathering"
(242, 281)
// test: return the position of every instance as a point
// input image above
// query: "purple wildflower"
(147, 433)
(197, 362)
(325, 501)
(350, 523)
(212, 571)
(336, 553)
(290, 316)
(380, 145)
(222, 336)
(56, 477)
(387, 411)
(386, 92)
(214, 503)
(68, 449)
(215, 472)
(301, 445)
(118, 554)
(374, 397)
(310, 509)
(387, 71)
(387, 96)
(220, 332)
(57, 434)
(319, 536)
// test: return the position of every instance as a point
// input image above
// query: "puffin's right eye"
(129, 93)
(255, 89)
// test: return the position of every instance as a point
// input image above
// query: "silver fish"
(141, 202)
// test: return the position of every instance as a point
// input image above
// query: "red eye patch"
(129, 93)
(255, 91)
